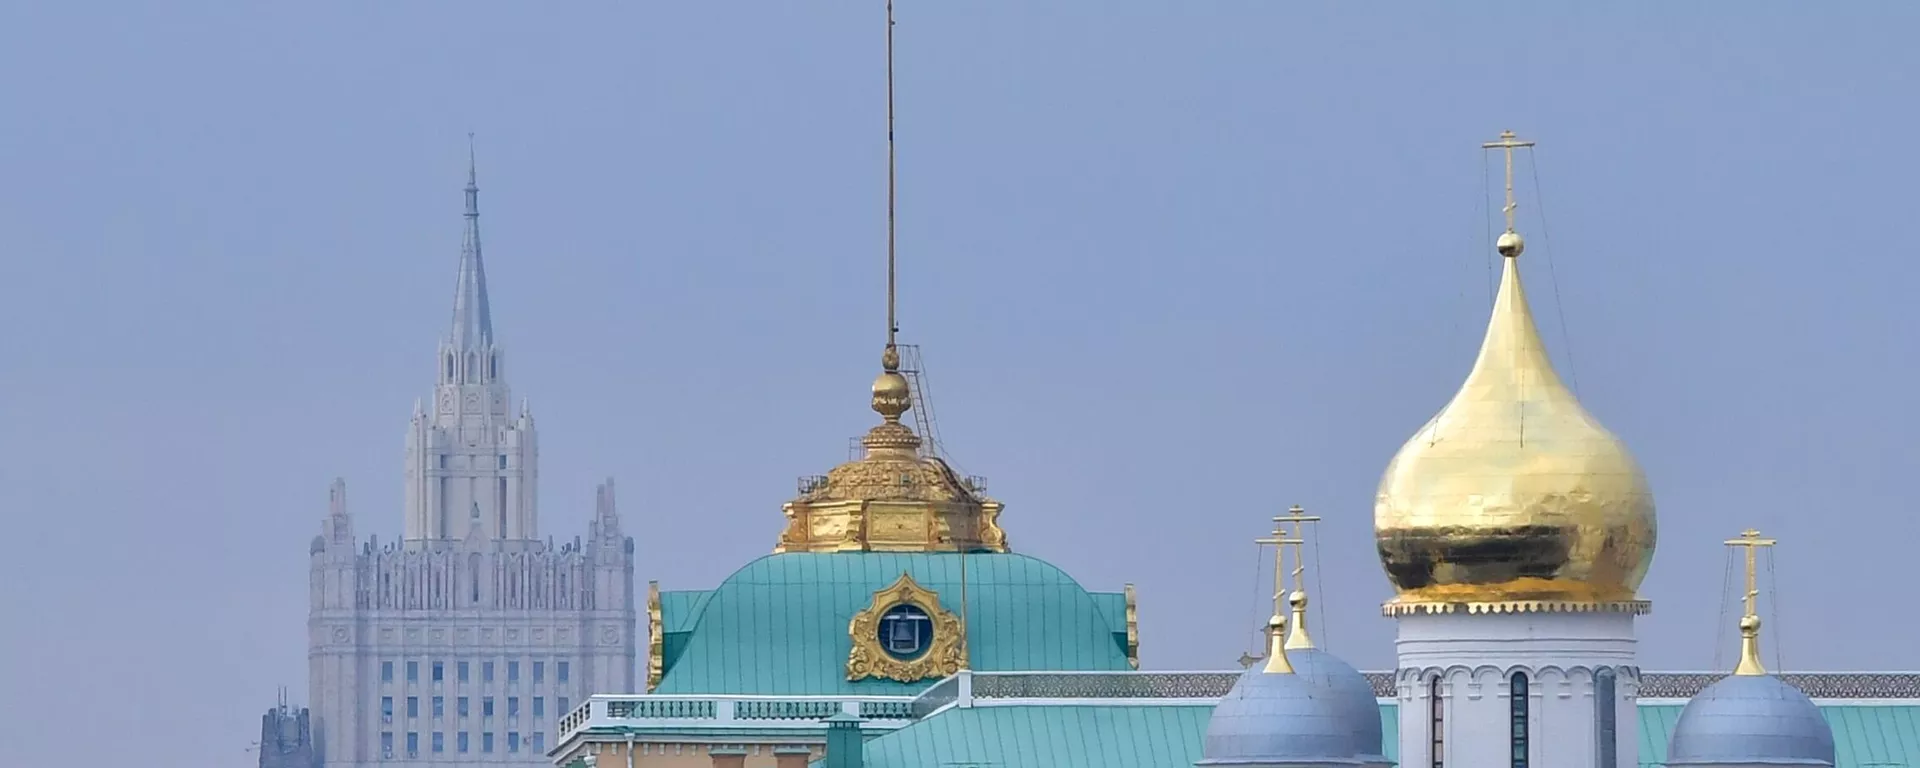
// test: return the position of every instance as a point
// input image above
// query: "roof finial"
(1750, 621)
(1510, 243)
(1298, 638)
(892, 396)
(1277, 625)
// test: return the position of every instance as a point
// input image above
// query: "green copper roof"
(778, 626)
(1169, 736)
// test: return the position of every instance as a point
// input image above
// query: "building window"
(905, 631)
(386, 743)
(439, 707)
(513, 706)
(539, 672)
(503, 462)
(513, 741)
(1517, 702)
(486, 707)
(439, 671)
(1437, 720)
(461, 707)
(413, 706)
(1607, 712)
(461, 669)
(413, 744)
(539, 741)
(439, 741)
(386, 671)
(513, 671)
(538, 709)
(463, 742)
(560, 671)
(486, 742)
(413, 671)
(493, 367)
(386, 709)
(486, 671)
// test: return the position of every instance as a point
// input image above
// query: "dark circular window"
(905, 632)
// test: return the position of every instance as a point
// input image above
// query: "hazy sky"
(1174, 267)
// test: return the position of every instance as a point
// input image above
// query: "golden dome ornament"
(1513, 497)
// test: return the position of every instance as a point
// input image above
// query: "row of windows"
(443, 464)
(1606, 714)
(461, 708)
(562, 671)
(463, 742)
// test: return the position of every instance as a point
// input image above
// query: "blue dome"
(1352, 694)
(1747, 719)
(1281, 719)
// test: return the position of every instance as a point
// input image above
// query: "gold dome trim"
(1635, 607)
(946, 652)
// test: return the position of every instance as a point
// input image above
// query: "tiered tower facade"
(465, 642)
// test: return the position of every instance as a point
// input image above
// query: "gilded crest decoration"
(941, 655)
(656, 638)
(1133, 629)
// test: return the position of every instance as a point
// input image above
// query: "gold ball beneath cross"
(1510, 244)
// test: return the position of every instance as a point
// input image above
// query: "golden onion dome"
(1514, 497)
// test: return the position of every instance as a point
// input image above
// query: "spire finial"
(1510, 243)
(1277, 625)
(1750, 620)
(893, 326)
(892, 395)
(1298, 637)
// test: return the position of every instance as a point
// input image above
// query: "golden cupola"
(895, 497)
(1513, 497)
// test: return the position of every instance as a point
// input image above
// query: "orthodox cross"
(1507, 144)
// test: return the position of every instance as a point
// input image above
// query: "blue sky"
(1174, 266)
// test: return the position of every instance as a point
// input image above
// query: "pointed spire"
(892, 395)
(472, 319)
(1750, 620)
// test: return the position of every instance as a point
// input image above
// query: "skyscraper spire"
(472, 319)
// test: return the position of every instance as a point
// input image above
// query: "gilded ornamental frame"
(946, 652)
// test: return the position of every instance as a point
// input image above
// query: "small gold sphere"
(1749, 624)
(1297, 599)
(891, 395)
(1510, 244)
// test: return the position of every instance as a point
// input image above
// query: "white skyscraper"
(468, 640)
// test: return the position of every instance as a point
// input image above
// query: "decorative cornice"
(1187, 685)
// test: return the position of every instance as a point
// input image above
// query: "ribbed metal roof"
(1169, 736)
(778, 626)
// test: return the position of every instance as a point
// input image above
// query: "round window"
(905, 632)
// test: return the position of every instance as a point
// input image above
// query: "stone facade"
(467, 641)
